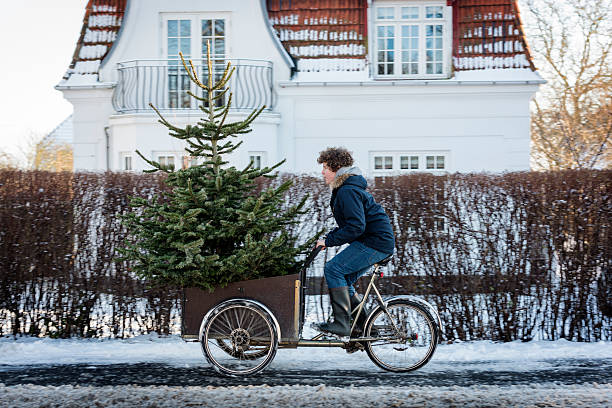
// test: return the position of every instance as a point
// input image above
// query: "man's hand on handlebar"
(321, 243)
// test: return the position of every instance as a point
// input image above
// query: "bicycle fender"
(238, 301)
(426, 305)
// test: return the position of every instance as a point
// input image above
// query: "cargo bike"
(240, 327)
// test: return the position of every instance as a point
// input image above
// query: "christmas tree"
(212, 228)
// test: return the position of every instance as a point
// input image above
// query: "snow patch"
(173, 350)
(549, 395)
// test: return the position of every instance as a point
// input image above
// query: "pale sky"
(37, 40)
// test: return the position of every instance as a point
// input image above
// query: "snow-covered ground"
(548, 395)
(174, 351)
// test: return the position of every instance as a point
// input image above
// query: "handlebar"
(313, 254)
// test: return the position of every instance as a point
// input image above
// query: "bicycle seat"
(385, 261)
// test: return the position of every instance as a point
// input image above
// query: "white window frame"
(397, 22)
(422, 161)
(188, 161)
(196, 55)
(196, 34)
(123, 156)
(166, 153)
(263, 158)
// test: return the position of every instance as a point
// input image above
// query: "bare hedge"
(503, 257)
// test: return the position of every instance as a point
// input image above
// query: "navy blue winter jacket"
(358, 216)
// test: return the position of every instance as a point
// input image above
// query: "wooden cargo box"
(280, 294)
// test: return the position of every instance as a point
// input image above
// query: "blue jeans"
(352, 262)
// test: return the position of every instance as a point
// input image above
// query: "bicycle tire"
(418, 340)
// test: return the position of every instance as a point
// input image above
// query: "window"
(258, 159)
(411, 41)
(179, 41)
(189, 35)
(400, 162)
(166, 161)
(189, 161)
(125, 161)
(435, 162)
(213, 33)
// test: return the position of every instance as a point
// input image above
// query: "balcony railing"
(164, 83)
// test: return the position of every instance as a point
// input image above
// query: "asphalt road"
(565, 371)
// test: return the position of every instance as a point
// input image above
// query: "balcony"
(164, 83)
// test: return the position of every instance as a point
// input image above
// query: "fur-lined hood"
(343, 174)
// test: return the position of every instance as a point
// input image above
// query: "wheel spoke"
(396, 349)
(249, 339)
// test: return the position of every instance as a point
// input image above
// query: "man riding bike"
(363, 224)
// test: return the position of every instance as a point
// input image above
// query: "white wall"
(92, 107)
(483, 128)
(142, 131)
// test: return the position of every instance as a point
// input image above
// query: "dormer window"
(412, 40)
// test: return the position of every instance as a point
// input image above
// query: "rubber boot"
(340, 303)
(360, 325)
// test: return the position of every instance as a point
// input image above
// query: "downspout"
(107, 133)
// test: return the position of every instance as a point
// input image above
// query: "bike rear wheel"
(407, 336)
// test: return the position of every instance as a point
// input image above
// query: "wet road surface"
(564, 371)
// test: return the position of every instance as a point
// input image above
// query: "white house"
(406, 85)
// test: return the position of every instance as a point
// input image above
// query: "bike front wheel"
(239, 337)
(407, 336)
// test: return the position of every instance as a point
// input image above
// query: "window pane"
(388, 162)
(414, 162)
(438, 68)
(256, 161)
(404, 162)
(220, 27)
(410, 12)
(429, 68)
(185, 100)
(186, 46)
(430, 162)
(439, 162)
(219, 48)
(206, 27)
(434, 11)
(172, 28)
(172, 82)
(385, 13)
(205, 41)
(185, 28)
(410, 53)
(378, 163)
(172, 46)
(390, 31)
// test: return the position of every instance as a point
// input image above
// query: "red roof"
(486, 33)
(101, 24)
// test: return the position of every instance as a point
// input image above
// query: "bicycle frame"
(316, 342)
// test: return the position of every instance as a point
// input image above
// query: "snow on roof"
(486, 34)
(315, 32)
(331, 35)
(101, 24)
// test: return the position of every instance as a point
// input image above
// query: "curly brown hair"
(335, 157)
